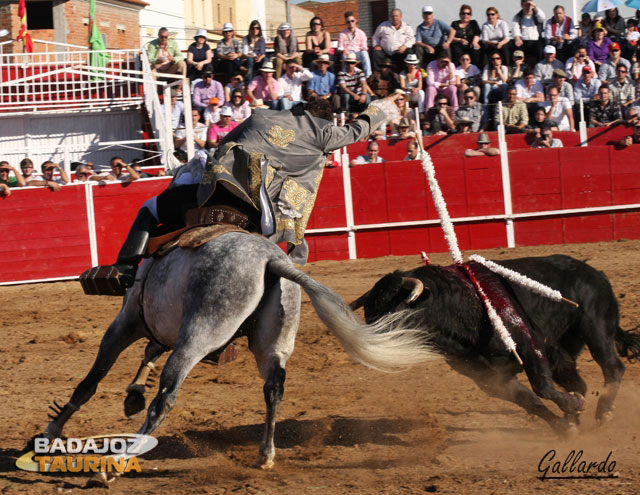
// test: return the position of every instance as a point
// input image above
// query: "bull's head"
(393, 292)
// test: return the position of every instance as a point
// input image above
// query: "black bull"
(455, 322)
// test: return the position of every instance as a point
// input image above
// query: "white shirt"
(559, 114)
(529, 29)
(293, 85)
(471, 72)
(524, 92)
(391, 39)
(199, 131)
(211, 116)
(498, 33)
(362, 159)
(574, 68)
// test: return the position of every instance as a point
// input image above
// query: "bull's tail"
(390, 344)
(628, 344)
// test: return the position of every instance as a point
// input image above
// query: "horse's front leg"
(134, 402)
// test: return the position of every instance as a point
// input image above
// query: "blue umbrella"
(634, 4)
(600, 5)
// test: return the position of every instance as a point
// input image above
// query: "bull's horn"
(416, 286)
(358, 303)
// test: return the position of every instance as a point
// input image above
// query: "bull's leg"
(122, 332)
(271, 342)
(134, 402)
(504, 385)
(599, 338)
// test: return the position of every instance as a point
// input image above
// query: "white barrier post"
(348, 205)
(582, 125)
(506, 181)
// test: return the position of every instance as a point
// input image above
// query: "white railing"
(43, 81)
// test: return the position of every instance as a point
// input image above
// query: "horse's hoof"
(605, 418)
(265, 464)
(101, 480)
(134, 403)
(581, 403)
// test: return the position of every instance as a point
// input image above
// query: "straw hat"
(267, 67)
(323, 58)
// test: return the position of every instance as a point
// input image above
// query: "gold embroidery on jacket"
(271, 172)
(281, 137)
(301, 223)
(284, 223)
(371, 110)
(255, 175)
(294, 193)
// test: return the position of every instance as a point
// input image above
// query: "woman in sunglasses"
(253, 49)
(496, 34)
(467, 37)
(318, 41)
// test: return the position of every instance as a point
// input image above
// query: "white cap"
(549, 49)
(226, 111)
(201, 32)
(427, 8)
(284, 26)
(227, 26)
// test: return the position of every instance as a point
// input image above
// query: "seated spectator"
(473, 111)
(165, 56)
(404, 112)
(439, 119)
(264, 88)
(285, 47)
(254, 49)
(545, 139)
(432, 37)
(240, 108)
(237, 82)
(462, 126)
(614, 24)
(587, 86)
(560, 83)
(48, 168)
(317, 42)
(622, 89)
(393, 39)
(355, 94)
(496, 35)
(199, 55)
(385, 82)
(518, 67)
(118, 167)
(633, 139)
(85, 174)
(560, 32)
(494, 79)
(323, 84)
(468, 76)
(631, 39)
(631, 116)
(442, 80)
(466, 37)
(539, 121)
(403, 131)
(528, 25)
(330, 162)
(353, 39)
(5, 175)
(228, 52)
(598, 47)
(543, 71)
(604, 112)
(484, 147)
(514, 113)
(575, 64)
(205, 90)
(558, 110)
(291, 84)
(411, 81)
(177, 110)
(372, 156)
(27, 168)
(221, 128)
(199, 134)
(529, 91)
(413, 152)
(607, 70)
(211, 114)
(135, 165)
(584, 30)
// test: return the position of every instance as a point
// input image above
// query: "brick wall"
(332, 13)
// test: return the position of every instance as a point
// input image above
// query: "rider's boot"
(113, 280)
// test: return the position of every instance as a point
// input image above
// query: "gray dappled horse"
(197, 301)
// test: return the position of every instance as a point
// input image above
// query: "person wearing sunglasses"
(165, 56)
(623, 91)
(355, 93)
(466, 37)
(206, 89)
(239, 105)
(494, 79)
(254, 49)
(199, 55)
(473, 111)
(228, 52)
(608, 69)
(317, 42)
(352, 39)
(496, 35)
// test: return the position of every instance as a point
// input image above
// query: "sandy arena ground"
(343, 429)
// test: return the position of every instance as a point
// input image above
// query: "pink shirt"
(217, 132)
(440, 77)
(260, 90)
(356, 42)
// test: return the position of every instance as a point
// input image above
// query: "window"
(40, 15)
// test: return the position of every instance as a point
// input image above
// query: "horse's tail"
(628, 344)
(390, 344)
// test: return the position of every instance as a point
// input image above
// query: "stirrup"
(102, 280)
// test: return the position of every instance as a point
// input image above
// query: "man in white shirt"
(199, 134)
(560, 32)
(527, 26)
(291, 84)
(393, 39)
(559, 110)
(371, 157)
(412, 151)
(579, 61)
(528, 89)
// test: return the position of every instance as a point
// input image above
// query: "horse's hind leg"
(272, 341)
(122, 332)
(134, 402)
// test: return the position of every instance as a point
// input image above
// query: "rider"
(267, 169)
